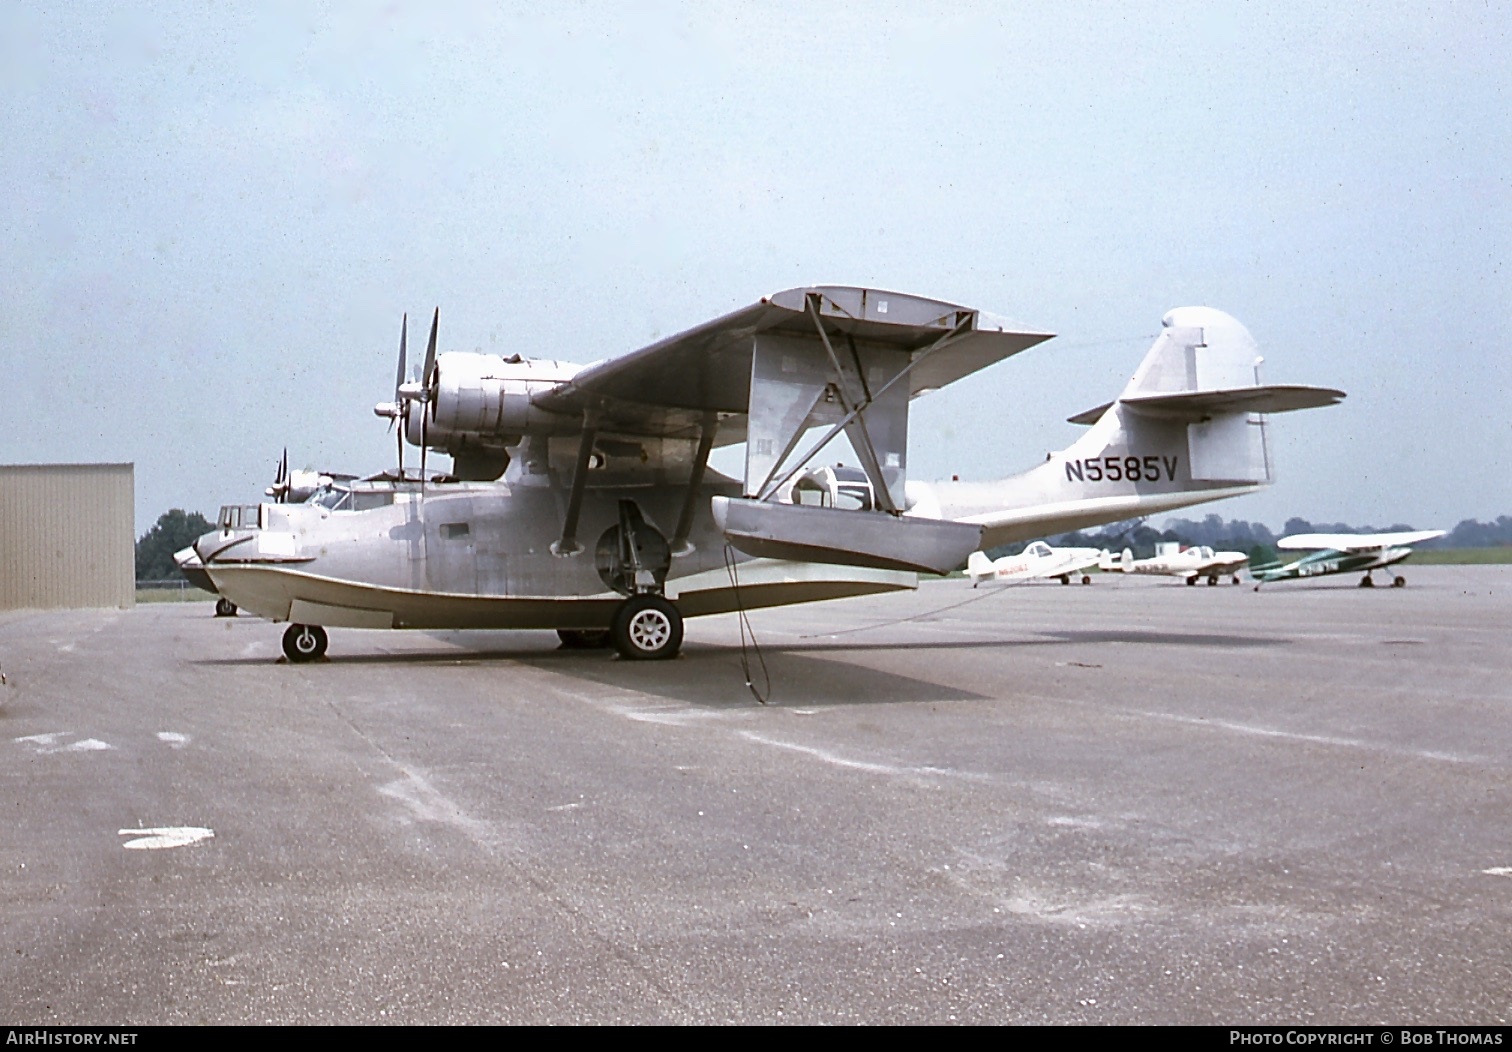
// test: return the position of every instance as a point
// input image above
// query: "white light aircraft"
(1172, 560)
(608, 526)
(1343, 553)
(1039, 561)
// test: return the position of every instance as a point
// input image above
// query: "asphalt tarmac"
(1129, 802)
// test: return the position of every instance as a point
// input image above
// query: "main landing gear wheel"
(1399, 582)
(583, 638)
(1212, 581)
(1192, 580)
(1086, 578)
(1065, 578)
(1236, 579)
(1367, 582)
(303, 643)
(647, 628)
(225, 607)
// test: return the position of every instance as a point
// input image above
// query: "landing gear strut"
(303, 643)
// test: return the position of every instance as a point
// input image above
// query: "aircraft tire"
(1366, 582)
(1191, 580)
(1236, 578)
(1065, 578)
(303, 643)
(1212, 581)
(1086, 578)
(1399, 582)
(583, 638)
(225, 607)
(647, 628)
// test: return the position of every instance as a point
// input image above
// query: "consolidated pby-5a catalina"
(581, 498)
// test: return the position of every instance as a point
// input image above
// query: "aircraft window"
(329, 497)
(363, 500)
(807, 492)
(451, 531)
(854, 498)
(239, 516)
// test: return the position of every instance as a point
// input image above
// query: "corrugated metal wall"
(67, 535)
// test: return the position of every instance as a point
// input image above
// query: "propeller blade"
(403, 343)
(430, 353)
(281, 484)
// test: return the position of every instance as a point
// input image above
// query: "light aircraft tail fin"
(1184, 430)
(978, 566)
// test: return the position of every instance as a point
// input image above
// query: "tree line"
(1254, 538)
(174, 530)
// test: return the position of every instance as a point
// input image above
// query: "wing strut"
(707, 427)
(853, 415)
(859, 436)
(568, 544)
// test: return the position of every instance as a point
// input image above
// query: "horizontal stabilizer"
(1197, 405)
(1355, 542)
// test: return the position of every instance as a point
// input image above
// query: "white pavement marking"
(47, 744)
(1315, 739)
(88, 745)
(164, 836)
(429, 804)
(1498, 871)
(173, 738)
(44, 741)
(916, 772)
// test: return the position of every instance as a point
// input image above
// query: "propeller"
(279, 491)
(427, 387)
(400, 402)
(407, 392)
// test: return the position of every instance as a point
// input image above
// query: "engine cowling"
(485, 399)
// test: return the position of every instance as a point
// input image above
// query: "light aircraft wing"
(1356, 542)
(666, 388)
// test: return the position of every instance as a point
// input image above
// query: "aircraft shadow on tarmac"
(805, 672)
(703, 675)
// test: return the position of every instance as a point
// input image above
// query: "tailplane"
(1187, 428)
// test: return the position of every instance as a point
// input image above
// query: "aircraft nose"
(219, 542)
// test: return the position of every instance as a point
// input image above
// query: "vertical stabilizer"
(1186, 429)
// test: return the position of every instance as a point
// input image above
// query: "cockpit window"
(362, 500)
(329, 497)
(239, 516)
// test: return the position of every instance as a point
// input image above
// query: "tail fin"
(978, 566)
(1185, 430)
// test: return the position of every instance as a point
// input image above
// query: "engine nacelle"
(486, 400)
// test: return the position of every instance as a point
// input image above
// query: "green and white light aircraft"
(1343, 553)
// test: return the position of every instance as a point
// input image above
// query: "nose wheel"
(647, 628)
(303, 643)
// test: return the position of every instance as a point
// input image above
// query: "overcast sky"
(213, 216)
